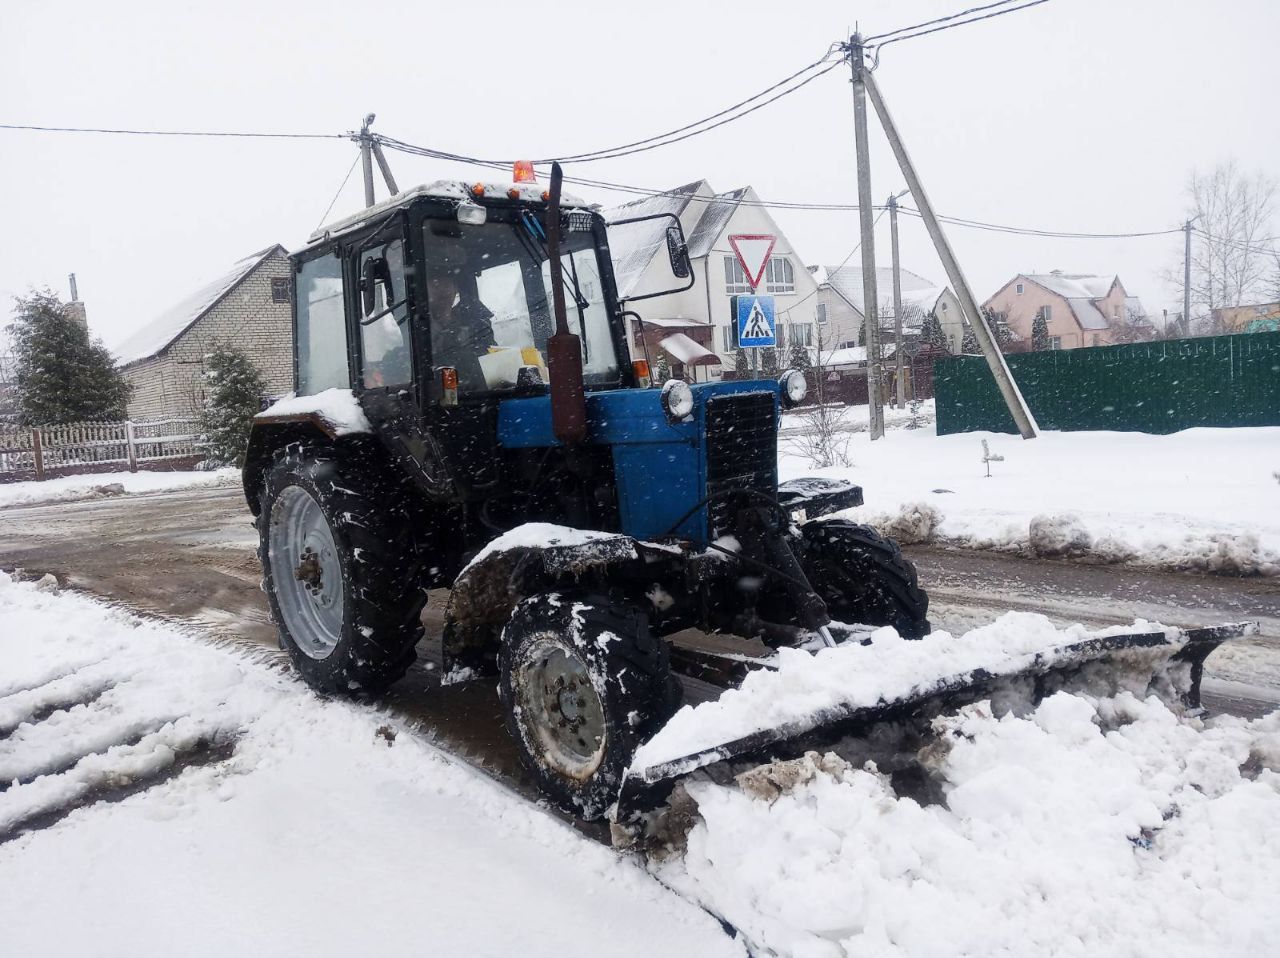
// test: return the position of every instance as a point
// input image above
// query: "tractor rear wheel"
(340, 571)
(583, 683)
(864, 577)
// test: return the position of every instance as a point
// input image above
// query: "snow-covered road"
(238, 813)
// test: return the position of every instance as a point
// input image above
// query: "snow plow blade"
(1166, 662)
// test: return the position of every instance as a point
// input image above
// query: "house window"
(735, 277)
(821, 310)
(280, 289)
(802, 334)
(780, 333)
(1115, 313)
(1019, 289)
(778, 276)
(730, 337)
(1046, 312)
(1097, 340)
(1055, 342)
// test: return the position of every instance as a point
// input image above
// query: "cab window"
(321, 327)
(384, 330)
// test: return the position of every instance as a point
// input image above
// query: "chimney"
(75, 307)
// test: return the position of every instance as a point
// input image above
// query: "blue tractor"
(466, 418)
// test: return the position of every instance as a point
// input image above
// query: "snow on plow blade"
(1166, 662)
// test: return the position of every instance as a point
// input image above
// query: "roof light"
(514, 193)
(522, 172)
(477, 189)
(472, 214)
(641, 369)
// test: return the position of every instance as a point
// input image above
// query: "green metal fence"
(1158, 387)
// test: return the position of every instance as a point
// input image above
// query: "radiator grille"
(742, 451)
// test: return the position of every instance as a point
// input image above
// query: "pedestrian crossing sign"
(757, 321)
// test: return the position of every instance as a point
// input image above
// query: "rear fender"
(272, 434)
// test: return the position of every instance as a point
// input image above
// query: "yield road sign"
(757, 321)
(753, 251)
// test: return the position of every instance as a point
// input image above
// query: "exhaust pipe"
(564, 349)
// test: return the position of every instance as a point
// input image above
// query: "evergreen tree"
(862, 334)
(931, 334)
(741, 367)
(1040, 333)
(969, 345)
(799, 357)
(661, 369)
(769, 362)
(233, 390)
(62, 374)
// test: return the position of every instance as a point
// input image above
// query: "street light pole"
(870, 304)
(897, 297)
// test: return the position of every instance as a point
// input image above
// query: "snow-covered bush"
(233, 396)
(1062, 534)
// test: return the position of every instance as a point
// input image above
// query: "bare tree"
(824, 438)
(1230, 252)
(1134, 327)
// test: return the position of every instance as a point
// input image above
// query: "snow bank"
(338, 407)
(327, 829)
(1202, 499)
(99, 485)
(1087, 828)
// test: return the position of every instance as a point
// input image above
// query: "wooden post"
(37, 449)
(131, 446)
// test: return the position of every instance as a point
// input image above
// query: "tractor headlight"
(677, 400)
(794, 387)
(472, 214)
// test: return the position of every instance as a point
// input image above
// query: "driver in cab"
(461, 330)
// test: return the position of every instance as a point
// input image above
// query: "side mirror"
(373, 271)
(678, 251)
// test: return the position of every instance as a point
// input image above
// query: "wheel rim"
(306, 572)
(560, 709)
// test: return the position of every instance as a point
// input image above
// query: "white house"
(841, 317)
(700, 317)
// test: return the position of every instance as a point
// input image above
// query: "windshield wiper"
(533, 238)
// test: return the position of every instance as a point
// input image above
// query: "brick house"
(249, 307)
(1080, 310)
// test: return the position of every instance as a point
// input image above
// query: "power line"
(952, 26)
(341, 187)
(210, 133)
(929, 23)
(1030, 231)
(1242, 245)
(607, 153)
(787, 311)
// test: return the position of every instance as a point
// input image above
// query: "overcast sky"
(1079, 115)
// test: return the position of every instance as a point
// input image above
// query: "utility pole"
(897, 298)
(366, 159)
(1018, 408)
(1186, 278)
(870, 303)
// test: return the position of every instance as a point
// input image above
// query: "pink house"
(1080, 310)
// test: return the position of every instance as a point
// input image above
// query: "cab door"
(386, 315)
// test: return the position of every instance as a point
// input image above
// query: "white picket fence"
(37, 452)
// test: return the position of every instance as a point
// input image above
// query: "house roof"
(1074, 285)
(632, 247)
(714, 219)
(919, 295)
(159, 334)
(855, 355)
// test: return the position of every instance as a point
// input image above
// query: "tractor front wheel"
(583, 683)
(864, 578)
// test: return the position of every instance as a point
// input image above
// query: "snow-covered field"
(1205, 499)
(329, 829)
(100, 485)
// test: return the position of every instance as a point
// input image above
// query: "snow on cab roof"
(159, 334)
(446, 189)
